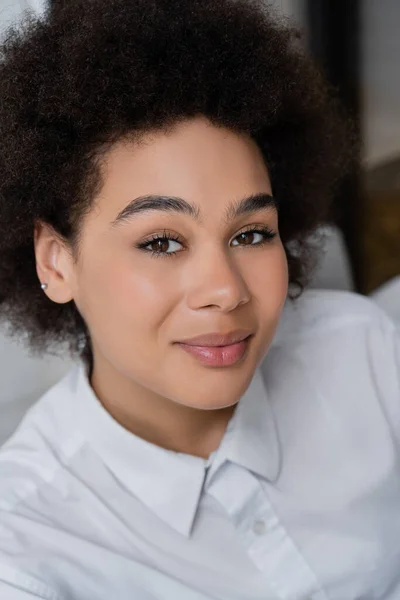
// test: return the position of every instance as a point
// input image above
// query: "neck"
(157, 419)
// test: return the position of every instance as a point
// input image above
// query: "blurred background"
(356, 44)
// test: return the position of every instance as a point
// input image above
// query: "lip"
(218, 356)
(218, 339)
(219, 350)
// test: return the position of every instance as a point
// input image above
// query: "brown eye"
(247, 237)
(160, 245)
(253, 237)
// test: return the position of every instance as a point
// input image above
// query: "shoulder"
(40, 445)
(339, 346)
(319, 313)
(33, 466)
(335, 328)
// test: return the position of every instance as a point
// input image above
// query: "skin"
(136, 306)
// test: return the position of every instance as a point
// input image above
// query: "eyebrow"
(173, 204)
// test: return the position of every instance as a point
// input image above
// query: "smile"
(218, 356)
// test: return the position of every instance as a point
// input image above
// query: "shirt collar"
(170, 483)
(251, 438)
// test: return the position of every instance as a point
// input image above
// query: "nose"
(215, 281)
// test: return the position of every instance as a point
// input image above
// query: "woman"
(220, 437)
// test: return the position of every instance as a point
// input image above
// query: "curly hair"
(89, 73)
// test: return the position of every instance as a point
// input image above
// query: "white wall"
(380, 55)
(381, 78)
(294, 9)
(11, 10)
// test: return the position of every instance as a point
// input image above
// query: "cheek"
(270, 291)
(126, 294)
(268, 280)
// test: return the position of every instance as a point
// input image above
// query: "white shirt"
(300, 501)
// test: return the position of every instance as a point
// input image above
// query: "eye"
(164, 246)
(169, 245)
(255, 236)
(161, 245)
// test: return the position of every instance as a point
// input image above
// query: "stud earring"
(44, 286)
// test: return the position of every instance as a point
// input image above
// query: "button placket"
(272, 550)
(259, 527)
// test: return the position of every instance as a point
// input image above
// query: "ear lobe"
(50, 269)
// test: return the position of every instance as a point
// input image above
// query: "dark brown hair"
(89, 73)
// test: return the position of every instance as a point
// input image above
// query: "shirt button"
(259, 527)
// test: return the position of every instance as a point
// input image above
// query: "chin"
(214, 405)
(205, 388)
(215, 398)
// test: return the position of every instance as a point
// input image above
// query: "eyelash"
(268, 233)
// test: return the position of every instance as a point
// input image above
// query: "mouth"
(218, 356)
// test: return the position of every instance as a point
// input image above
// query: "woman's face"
(141, 293)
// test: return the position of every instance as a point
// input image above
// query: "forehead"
(208, 165)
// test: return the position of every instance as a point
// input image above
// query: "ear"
(54, 263)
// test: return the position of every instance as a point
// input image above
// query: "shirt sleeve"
(13, 593)
(15, 585)
(383, 343)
